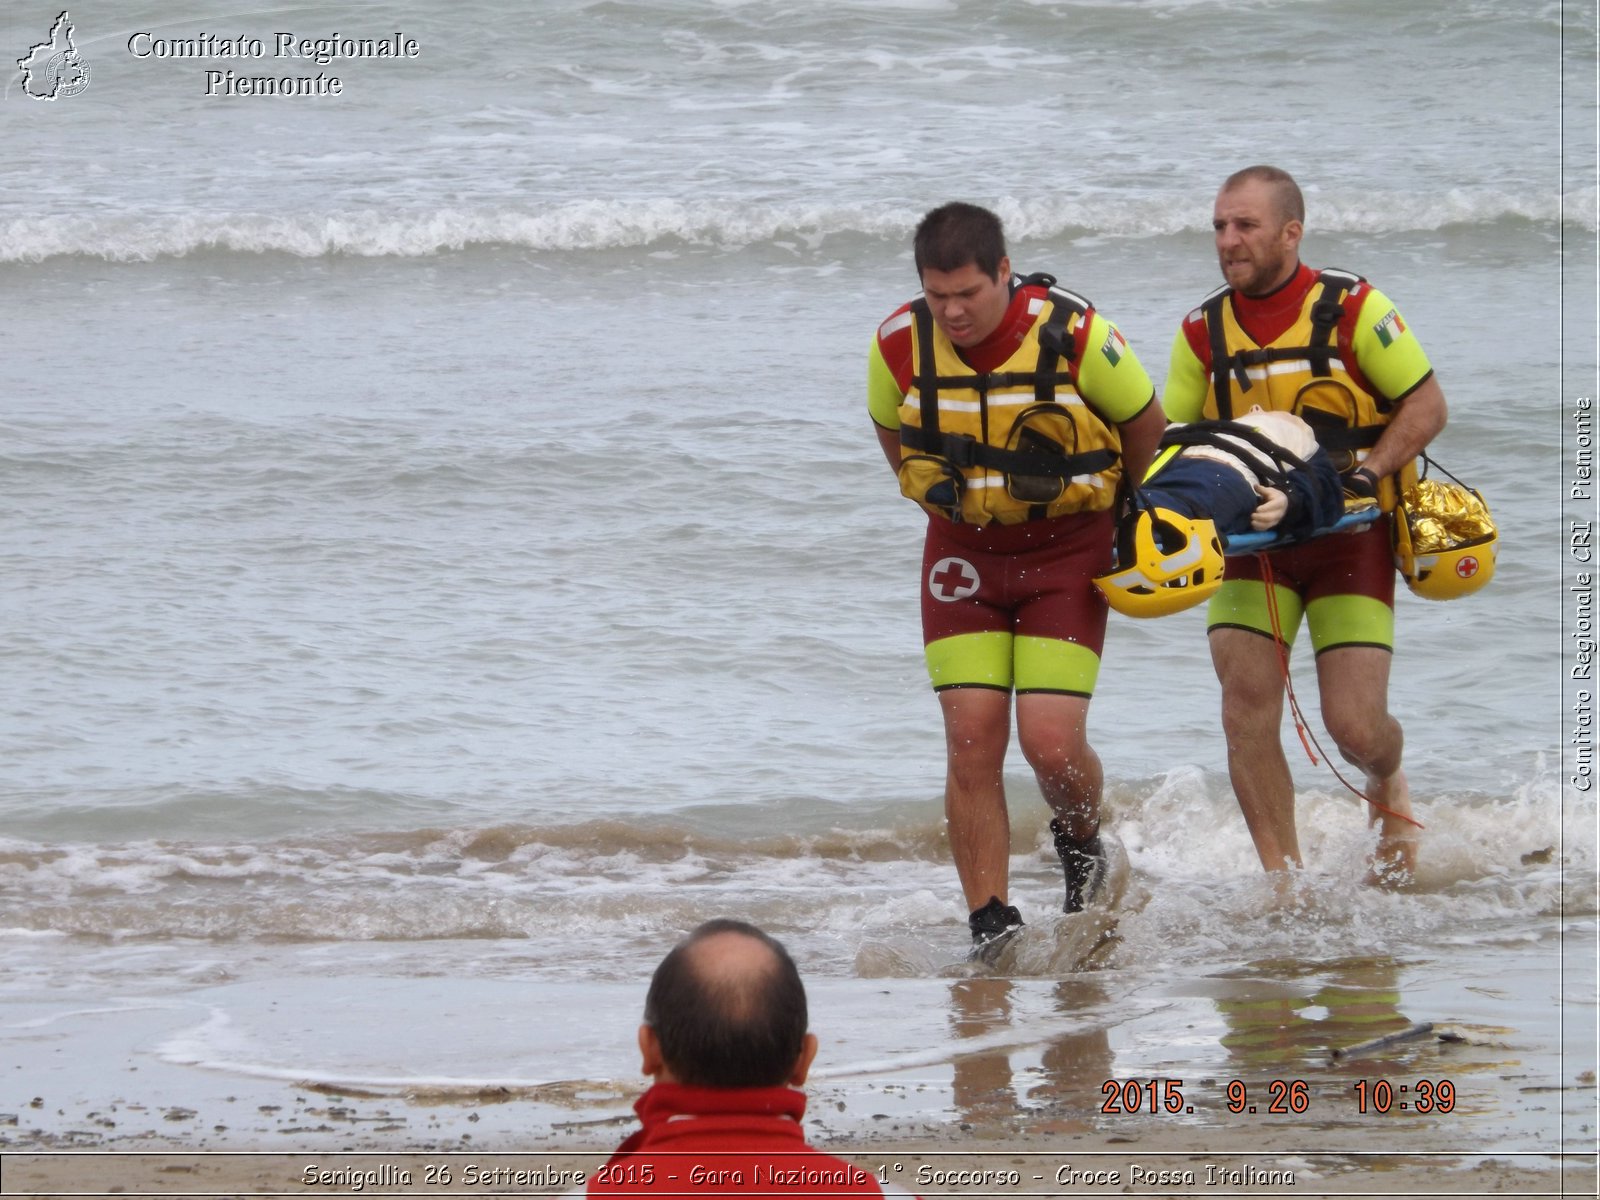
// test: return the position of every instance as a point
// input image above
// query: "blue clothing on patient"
(1203, 487)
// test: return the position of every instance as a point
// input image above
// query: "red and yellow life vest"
(1011, 445)
(1301, 371)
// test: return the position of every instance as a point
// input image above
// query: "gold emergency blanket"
(1443, 516)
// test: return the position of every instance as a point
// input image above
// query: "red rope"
(1307, 738)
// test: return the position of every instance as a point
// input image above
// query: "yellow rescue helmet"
(1166, 562)
(1444, 540)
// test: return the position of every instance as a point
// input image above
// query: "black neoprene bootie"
(992, 926)
(1085, 866)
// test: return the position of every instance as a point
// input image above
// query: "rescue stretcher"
(1253, 542)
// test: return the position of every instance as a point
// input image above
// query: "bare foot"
(1394, 861)
(1290, 892)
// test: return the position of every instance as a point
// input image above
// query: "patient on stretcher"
(1261, 471)
(1216, 480)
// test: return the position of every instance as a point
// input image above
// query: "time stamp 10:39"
(1278, 1096)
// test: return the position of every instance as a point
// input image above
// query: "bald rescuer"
(1011, 411)
(1332, 349)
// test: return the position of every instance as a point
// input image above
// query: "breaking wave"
(728, 223)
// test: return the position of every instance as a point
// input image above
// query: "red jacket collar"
(1264, 318)
(664, 1102)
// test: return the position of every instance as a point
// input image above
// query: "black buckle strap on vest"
(1333, 433)
(1326, 313)
(1225, 436)
(957, 449)
(1035, 462)
(1064, 304)
(1270, 354)
(965, 451)
(1221, 385)
(927, 376)
(1054, 344)
(995, 380)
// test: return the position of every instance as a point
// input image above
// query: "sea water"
(444, 534)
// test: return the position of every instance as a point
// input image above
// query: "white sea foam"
(731, 223)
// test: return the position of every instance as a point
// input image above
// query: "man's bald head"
(728, 1009)
(1288, 202)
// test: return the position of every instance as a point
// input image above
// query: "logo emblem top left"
(54, 69)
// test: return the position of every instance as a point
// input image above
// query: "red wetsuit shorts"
(1342, 583)
(1015, 606)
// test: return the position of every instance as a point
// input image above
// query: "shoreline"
(1018, 1083)
(1464, 1067)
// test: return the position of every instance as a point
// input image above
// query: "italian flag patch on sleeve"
(1117, 345)
(1389, 329)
